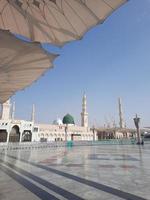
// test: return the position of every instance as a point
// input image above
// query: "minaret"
(33, 113)
(84, 114)
(114, 124)
(121, 121)
(6, 110)
(13, 111)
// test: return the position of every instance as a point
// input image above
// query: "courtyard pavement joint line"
(102, 187)
(68, 195)
(42, 194)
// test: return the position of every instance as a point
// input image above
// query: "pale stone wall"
(119, 135)
(122, 134)
(22, 124)
(57, 132)
(47, 132)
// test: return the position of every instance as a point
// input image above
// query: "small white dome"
(58, 122)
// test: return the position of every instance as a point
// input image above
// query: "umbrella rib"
(75, 13)
(59, 10)
(66, 32)
(21, 52)
(108, 4)
(88, 9)
(48, 23)
(10, 7)
(33, 61)
(2, 22)
(37, 24)
(34, 21)
(22, 12)
(69, 21)
(55, 20)
(2, 16)
(27, 19)
(61, 29)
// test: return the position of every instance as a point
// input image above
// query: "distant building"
(16, 130)
(114, 133)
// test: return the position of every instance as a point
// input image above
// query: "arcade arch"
(14, 135)
(3, 135)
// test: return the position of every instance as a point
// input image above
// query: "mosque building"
(13, 130)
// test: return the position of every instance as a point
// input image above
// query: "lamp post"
(66, 130)
(136, 122)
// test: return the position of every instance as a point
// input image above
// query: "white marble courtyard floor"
(105, 172)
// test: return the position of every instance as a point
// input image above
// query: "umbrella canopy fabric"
(54, 21)
(21, 63)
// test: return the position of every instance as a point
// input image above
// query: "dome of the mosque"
(68, 119)
(57, 122)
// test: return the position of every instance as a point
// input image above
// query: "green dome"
(68, 119)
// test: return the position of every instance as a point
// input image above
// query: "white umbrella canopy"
(21, 63)
(54, 21)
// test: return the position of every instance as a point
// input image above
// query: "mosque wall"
(21, 130)
(12, 130)
(46, 132)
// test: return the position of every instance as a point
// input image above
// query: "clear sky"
(111, 61)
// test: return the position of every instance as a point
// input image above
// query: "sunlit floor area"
(103, 172)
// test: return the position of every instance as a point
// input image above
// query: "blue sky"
(111, 61)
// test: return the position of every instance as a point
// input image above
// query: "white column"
(121, 121)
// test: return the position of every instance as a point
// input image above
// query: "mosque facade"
(14, 130)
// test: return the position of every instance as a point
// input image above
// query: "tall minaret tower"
(6, 110)
(13, 111)
(33, 113)
(84, 114)
(121, 121)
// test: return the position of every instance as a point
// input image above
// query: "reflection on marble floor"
(77, 173)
